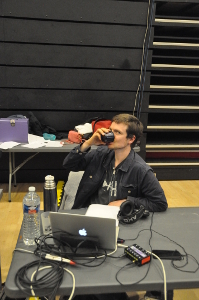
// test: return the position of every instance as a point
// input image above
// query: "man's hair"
(134, 126)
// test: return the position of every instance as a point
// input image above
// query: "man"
(114, 173)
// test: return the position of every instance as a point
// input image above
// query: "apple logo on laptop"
(83, 232)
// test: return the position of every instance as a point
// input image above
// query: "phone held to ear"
(168, 254)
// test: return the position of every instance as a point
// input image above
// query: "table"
(19, 148)
(179, 224)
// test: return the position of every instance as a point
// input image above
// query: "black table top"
(176, 226)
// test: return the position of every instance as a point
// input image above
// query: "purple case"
(15, 130)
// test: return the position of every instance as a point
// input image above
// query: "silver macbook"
(104, 229)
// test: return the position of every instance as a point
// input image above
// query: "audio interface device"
(137, 255)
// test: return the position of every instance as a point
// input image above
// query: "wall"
(68, 61)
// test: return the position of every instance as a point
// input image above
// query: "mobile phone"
(168, 254)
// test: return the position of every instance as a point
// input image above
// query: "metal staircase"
(172, 144)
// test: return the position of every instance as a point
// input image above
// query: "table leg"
(13, 170)
(13, 165)
(170, 295)
(10, 177)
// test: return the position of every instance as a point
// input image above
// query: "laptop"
(83, 226)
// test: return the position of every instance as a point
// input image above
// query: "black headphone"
(129, 215)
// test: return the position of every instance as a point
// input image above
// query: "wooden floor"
(178, 193)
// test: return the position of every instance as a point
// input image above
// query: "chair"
(70, 189)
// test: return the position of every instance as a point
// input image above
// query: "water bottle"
(31, 216)
(50, 194)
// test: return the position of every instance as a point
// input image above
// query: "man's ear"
(131, 140)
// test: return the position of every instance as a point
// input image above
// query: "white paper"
(103, 211)
(8, 145)
(55, 144)
(34, 142)
(35, 138)
(34, 145)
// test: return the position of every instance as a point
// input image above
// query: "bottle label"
(31, 209)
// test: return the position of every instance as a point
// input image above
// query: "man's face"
(121, 141)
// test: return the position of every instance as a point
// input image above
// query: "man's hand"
(117, 202)
(95, 139)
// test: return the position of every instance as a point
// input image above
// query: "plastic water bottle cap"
(31, 189)
(49, 177)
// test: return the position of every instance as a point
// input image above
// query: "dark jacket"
(136, 180)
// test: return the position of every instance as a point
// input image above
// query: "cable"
(103, 255)
(150, 252)
(109, 254)
(23, 250)
(131, 263)
(72, 275)
(179, 268)
(63, 249)
(73, 289)
(31, 279)
(173, 262)
(50, 280)
(93, 258)
(122, 245)
(116, 276)
(164, 274)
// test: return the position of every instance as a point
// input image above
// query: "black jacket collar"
(127, 162)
